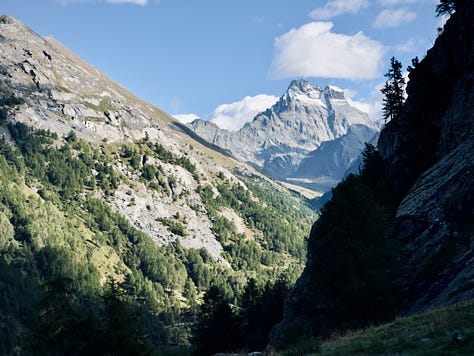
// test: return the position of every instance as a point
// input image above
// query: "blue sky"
(225, 59)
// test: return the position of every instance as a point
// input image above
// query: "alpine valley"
(126, 232)
(115, 218)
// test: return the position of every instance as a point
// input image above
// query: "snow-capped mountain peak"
(301, 86)
(278, 139)
(300, 93)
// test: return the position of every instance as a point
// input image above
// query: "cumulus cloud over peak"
(314, 51)
(393, 18)
(335, 8)
(233, 116)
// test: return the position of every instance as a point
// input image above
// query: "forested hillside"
(76, 272)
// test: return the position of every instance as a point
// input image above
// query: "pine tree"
(58, 327)
(446, 7)
(393, 91)
(123, 334)
(217, 328)
(354, 263)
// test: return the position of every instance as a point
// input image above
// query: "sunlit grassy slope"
(444, 331)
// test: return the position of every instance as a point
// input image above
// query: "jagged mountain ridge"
(64, 87)
(337, 155)
(280, 138)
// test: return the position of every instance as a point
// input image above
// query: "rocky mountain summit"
(278, 140)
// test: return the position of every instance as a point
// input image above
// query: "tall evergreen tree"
(123, 334)
(59, 328)
(217, 328)
(393, 91)
(446, 7)
(354, 262)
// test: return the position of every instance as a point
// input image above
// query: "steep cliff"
(426, 161)
(430, 153)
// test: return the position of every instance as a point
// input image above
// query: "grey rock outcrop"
(64, 93)
(329, 163)
(434, 222)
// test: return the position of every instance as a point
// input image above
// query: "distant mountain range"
(309, 138)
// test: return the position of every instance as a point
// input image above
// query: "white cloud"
(135, 2)
(396, 2)
(373, 104)
(185, 118)
(442, 20)
(393, 18)
(367, 107)
(314, 51)
(233, 116)
(362, 106)
(407, 79)
(335, 8)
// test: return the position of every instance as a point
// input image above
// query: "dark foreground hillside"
(443, 331)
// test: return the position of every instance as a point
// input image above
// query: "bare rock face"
(332, 159)
(64, 93)
(279, 139)
(434, 222)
